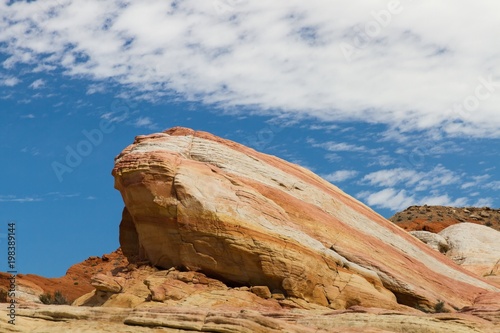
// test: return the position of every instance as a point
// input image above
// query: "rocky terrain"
(437, 218)
(74, 284)
(462, 234)
(221, 238)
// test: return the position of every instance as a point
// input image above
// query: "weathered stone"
(434, 241)
(103, 282)
(62, 319)
(261, 291)
(474, 247)
(484, 214)
(206, 204)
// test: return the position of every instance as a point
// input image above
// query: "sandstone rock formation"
(474, 247)
(75, 283)
(204, 204)
(436, 218)
(224, 239)
(434, 241)
(63, 319)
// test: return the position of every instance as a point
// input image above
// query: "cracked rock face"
(198, 202)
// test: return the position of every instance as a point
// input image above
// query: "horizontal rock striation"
(201, 203)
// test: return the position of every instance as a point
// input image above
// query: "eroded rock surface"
(62, 319)
(75, 283)
(202, 203)
(474, 247)
(434, 241)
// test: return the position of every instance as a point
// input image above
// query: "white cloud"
(337, 146)
(279, 56)
(9, 81)
(115, 117)
(494, 185)
(144, 122)
(37, 84)
(484, 202)
(340, 176)
(388, 198)
(13, 198)
(382, 160)
(437, 177)
(397, 200)
(476, 182)
(96, 88)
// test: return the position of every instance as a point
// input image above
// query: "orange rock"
(74, 284)
(206, 204)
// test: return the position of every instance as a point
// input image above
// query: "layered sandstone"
(63, 319)
(201, 203)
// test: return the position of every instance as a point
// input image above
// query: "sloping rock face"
(474, 247)
(198, 202)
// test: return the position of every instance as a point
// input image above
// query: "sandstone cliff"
(201, 203)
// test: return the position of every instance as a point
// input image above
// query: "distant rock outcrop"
(436, 218)
(204, 204)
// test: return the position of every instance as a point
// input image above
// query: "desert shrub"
(3, 296)
(46, 298)
(57, 299)
(439, 307)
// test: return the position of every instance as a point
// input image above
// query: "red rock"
(75, 283)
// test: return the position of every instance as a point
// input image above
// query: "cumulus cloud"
(413, 66)
(340, 176)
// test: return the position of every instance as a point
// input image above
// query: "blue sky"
(395, 102)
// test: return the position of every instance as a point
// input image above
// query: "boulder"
(475, 247)
(434, 241)
(106, 283)
(201, 203)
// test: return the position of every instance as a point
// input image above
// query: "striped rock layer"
(198, 202)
